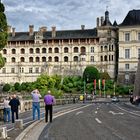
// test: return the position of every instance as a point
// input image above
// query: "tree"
(6, 87)
(3, 32)
(90, 73)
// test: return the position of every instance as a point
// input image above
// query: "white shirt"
(6, 103)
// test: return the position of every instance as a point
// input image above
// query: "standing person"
(36, 103)
(6, 109)
(14, 103)
(49, 101)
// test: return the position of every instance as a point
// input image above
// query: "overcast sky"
(64, 14)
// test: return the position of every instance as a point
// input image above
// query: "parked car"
(115, 99)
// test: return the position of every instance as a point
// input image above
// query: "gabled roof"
(63, 34)
(132, 18)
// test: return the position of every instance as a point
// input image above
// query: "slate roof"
(132, 18)
(63, 34)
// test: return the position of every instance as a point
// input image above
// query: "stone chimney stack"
(53, 31)
(98, 22)
(102, 20)
(43, 29)
(13, 32)
(31, 30)
(9, 30)
(82, 27)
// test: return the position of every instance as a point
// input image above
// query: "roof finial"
(107, 8)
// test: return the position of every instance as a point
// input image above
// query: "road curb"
(24, 133)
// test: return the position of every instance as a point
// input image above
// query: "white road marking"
(119, 113)
(79, 112)
(98, 120)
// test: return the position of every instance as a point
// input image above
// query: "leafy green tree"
(6, 87)
(90, 73)
(3, 32)
(17, 86)
(105, 76)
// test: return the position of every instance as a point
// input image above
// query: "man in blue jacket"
(14, 103)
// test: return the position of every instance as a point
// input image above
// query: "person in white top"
(7, 109)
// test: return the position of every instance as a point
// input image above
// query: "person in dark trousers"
(14, 103)
(49, 101)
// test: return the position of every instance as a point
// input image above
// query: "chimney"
(82, 27)
(53, 31)
(98, 22)
(43, 29)
(31, 30)
(9, 30)
(13, 32)
(102, 20)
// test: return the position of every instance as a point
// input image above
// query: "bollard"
(3, 132)
(18, 124)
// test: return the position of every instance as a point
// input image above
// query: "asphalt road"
(100, 121)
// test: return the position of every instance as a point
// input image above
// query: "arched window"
(43, 59)
(5, 59)
(66, 59)
(105, 57)
(22, 59)
(37, 50)
(37, 59)
(75, 58)
(112, 47)
(50, 50)
(66, 50)
(13, 51)
(22, 51)
(31, 59)
(56, 50)
(101, 58)
(101, 48)
(83, 49)
(43, 50)
(4, 51)
(75, 50)
(56, 59)
(31, 50)
(13, 59)
(49, 59)
(105, 48)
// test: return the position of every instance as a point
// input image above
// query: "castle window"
(12, 70)
(101, 48)
(31, 51)
(65, 59)
(50, 59)
(127, 53)
(56, 50)
(30, 70)
(56, 59)
(37, 59)
(138, 36)
(21, 70)
(92, 49)
(50, 50)
(75, 58)
(105, 48)
(127, 66)
(4, 70)
(43, 50)
(4, 51)
(43, 59)
(105, 58)
(139, 53)
(13, 59)
(75, 49)
(31, 59)
(37, 70)
(65, 50)
(127, 36)
(83, 49)
(22, 51)
(5, 59)
(37, 50)
(22, 59)
(101, 58)
(13, 51)
(92, 58)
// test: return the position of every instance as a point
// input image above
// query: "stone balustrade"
(26, 105)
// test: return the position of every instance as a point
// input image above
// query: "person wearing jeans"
(6, 110)
(36, 103)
